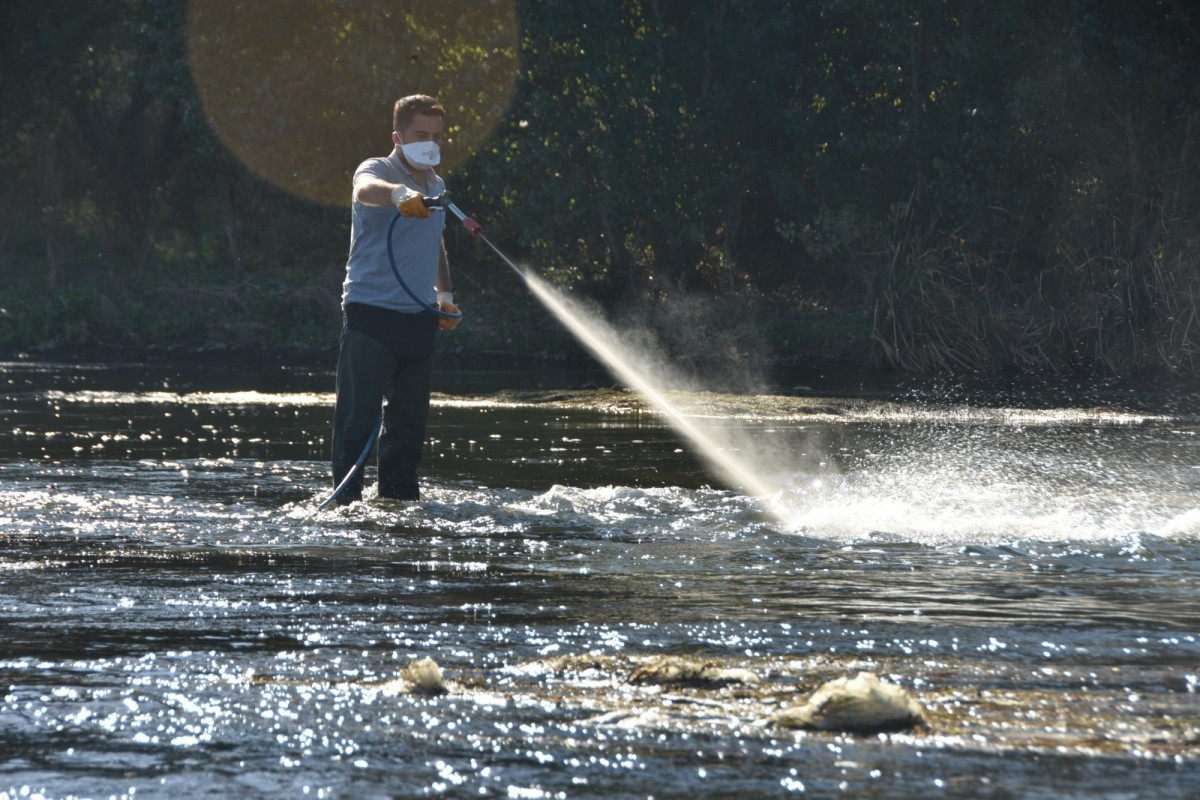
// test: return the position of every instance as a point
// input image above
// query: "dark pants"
(368, 373)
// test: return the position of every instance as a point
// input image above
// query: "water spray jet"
(604, 342)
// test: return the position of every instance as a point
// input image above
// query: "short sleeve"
(371, 168)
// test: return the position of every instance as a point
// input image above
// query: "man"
(387, 336)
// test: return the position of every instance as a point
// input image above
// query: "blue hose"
(404, 286)
(362, 458)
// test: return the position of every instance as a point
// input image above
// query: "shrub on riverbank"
(949, 311)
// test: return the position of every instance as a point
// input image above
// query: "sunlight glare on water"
(177, 617)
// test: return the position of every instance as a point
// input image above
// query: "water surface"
(176, 617)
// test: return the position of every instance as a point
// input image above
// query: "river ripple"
(177, 618)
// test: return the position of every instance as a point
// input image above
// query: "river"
(178, 619)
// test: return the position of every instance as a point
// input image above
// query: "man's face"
(423, 128)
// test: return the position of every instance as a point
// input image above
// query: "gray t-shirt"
(416, 243)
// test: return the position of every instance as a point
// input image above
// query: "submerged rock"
(862, 704)
(423, 675)
(681, 671)
(575, 664)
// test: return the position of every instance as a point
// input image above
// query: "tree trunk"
(732, 226)
(52, 192)
(229, 225)
(621, 275)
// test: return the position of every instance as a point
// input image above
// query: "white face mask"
(422, 155)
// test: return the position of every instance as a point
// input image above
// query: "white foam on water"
(956, 491)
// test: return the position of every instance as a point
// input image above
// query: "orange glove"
(411, 206)
(445, 302)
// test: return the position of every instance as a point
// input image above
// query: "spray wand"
(442, 201)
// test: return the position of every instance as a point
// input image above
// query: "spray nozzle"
(471, 225)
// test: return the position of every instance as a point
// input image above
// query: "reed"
(941, 308)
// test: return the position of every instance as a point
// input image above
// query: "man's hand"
(445, 303)
(410, 203)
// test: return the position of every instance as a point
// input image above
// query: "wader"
(384, 356)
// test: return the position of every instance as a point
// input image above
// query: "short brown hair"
(409, 107)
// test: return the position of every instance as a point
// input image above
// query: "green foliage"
(1001, 186)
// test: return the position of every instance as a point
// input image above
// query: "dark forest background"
(921, 186)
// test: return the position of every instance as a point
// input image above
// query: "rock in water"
(862, 704)
(426, 675)
(681, 671)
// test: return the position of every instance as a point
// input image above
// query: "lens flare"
(302, 92)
